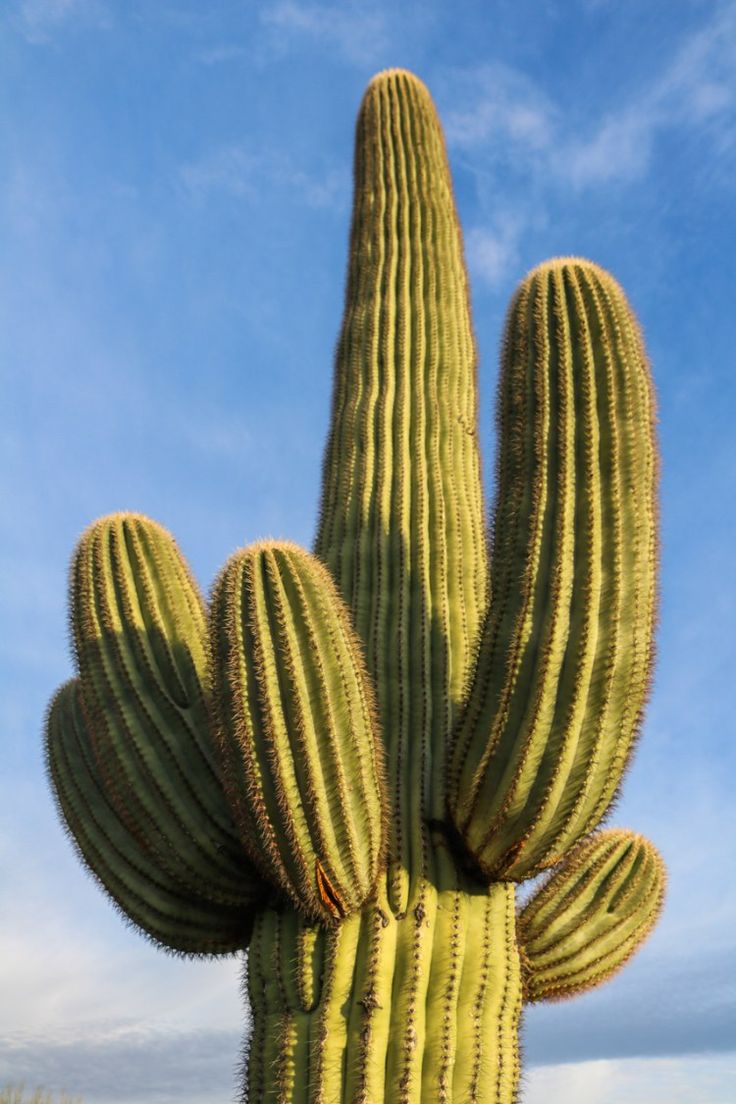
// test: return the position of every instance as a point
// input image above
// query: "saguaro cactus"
(350, 768)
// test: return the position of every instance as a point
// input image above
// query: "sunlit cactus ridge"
(348, 759)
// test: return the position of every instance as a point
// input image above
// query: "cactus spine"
(349, 768)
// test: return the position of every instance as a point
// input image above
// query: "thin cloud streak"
(237, 171)
(39, 20)
(696, 90)
(131, 1062)
(217, 55)
(126, 1063)
(358, 34)
(632, 1018)
(507, 111)
(72, 967)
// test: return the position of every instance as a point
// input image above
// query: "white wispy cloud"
(96, 1009)
(357, 30)
(695, 90)
(627, 1017)
(709, 1080)
(236, 170)
(493, 252)
(507, 117)
(68, 960)
(620, 149)
(584, 1083)
(38, 20)
(505, 108)
(128, 1062)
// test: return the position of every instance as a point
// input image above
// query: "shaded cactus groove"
(350, 762)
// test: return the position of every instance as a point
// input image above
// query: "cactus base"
(403, 1007)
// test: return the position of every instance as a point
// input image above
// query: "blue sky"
(174, 204)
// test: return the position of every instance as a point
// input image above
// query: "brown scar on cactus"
(346, 761)
(328, 894)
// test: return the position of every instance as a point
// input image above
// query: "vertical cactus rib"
(401, 524)
(161, 905)
(443, 994)
(139, 632)
(356, 1044)
(591, 915)
(371, 1018)
(566, 650)
(256, 985)
(407, 1046)
(489, 1001)
(304, 762)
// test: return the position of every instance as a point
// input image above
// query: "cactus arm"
(591, 915)
(402, 526)
(566, 651)
(157, 902)
(141, 648)
(298, 729)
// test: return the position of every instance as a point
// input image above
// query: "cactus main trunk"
(402, 527)
(423, 1006)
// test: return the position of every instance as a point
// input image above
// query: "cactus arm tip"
(591, 914)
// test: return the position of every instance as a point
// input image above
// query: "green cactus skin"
(140, 635)
(351, 770)
(591, 914)
(566, 650)
(157, 901)
(298, 728)
(417, 1007)
(401, 525)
